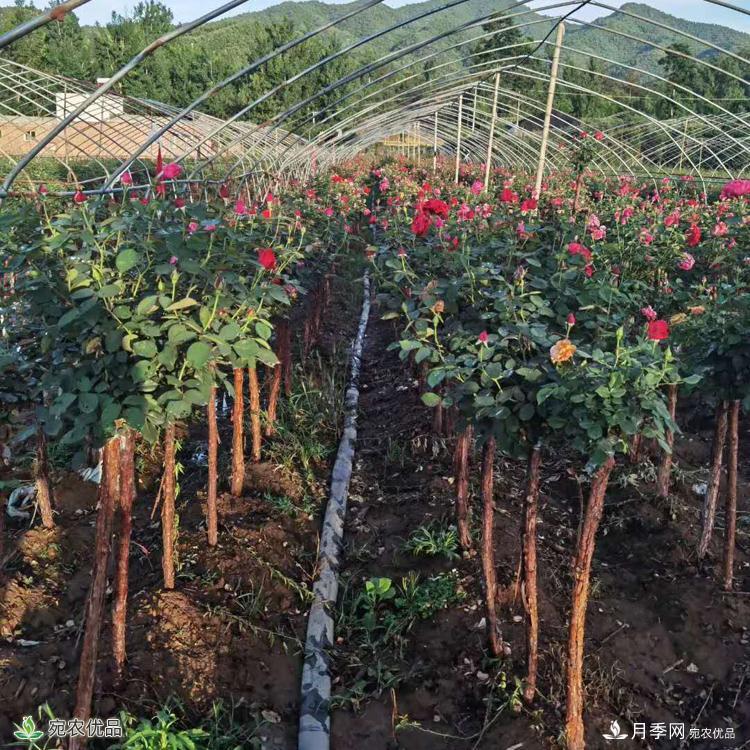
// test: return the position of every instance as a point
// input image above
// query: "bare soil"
(233, 628)
(663, 643)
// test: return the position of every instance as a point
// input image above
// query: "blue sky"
(184, 10)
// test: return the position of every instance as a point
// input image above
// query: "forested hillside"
(181, 71)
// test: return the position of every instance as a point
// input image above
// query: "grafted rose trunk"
(461, 480)
(274, 390)
(255, 429)
(41, 477)
(437, 420)
(714, 479)
(529, 571)
(636, 444)
(574, 729)
(488, 542)
(125, 511)
(284, 334)
(167, 508)
(422, 370)
(665, 467)
(238, 433)
(108, 492)
(212, 518)
(577, 199)
(731, 495)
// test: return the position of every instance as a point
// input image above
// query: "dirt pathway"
(663, 644)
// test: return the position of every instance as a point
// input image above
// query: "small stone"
(517, 618)
(271, 716)
(692, 668)
(482, 676)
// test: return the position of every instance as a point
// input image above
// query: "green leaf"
(126, 260)
(230, 331)
(183, 304)
(145, 348)
(526, 412)
(88, 402)
(68, 317)
(198, 354)
(147, 305)
(263, 330)
(109, 290)
(431, 399)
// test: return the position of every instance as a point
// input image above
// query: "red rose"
(437, 207)
(267, 258)
(576, 248)
(421, 224)
(658, 330)
(693, 235)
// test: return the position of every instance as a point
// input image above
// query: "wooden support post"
(493, 121)
(548, 110)
(434, 144)
(458, 135)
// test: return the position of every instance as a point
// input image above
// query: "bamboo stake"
(41, 477)
(493, 121)
(574, 729)
(714, 479)
(434, 144)
(730, 524)
(238, 437)
(665, 467)
(530, 571)
(212, 519)
(461, 474)
(488, 548)
(167, 506)
(108, 491)
(125, 509)
(548, 110)
(458, 134)
(255, 430)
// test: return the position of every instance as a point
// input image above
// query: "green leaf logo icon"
(27, 730)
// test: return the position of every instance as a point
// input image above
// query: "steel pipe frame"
(477, 21)
(110, 83)
(56, 13)
(593, 92)
(735, 144)
(365, 69)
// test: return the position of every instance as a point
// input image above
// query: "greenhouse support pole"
(434, 144)
(548, 110)
(474, 110)
(418, 137)
(458, 135)
(493, 121)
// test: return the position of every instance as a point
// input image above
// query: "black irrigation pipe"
(315, 694)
